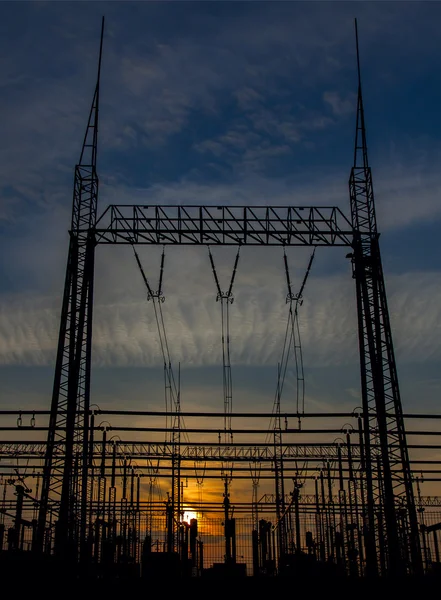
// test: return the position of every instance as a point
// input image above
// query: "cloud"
(396, 186)
(340, 106)
(28, 329)
(159, 86)
(126, 331)
(245, 97)
(406, 194)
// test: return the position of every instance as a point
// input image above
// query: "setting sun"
(189, 515)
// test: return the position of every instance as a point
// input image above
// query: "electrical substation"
(88, 492)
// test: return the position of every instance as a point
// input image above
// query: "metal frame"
(387, 478)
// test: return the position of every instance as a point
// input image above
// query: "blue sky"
(236, 103)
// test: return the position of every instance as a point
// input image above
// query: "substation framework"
(354, 505)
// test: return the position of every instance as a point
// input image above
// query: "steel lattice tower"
(380, 390)
(65, 487)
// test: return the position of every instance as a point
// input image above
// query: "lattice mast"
(64, 488)
(382, 411)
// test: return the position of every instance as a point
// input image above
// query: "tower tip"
(357, 52)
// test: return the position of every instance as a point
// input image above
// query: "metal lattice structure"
(380, 389)
(75, 492)
(63, 484)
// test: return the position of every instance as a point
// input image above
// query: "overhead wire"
(158, 299)
(200, 481)
(292, 333)
(226, 298)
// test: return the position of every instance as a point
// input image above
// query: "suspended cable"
(300, 383)
(292, 340)
(226, 298)
(150, 292)
(299, 296)
(200, 481)
(172, 390)
(173, 403)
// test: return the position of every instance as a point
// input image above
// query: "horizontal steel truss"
(189, 472)
(267, 500)
(312, 499)
(224, 225)
(161, 450)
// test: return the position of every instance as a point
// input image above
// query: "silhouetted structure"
(369, 528)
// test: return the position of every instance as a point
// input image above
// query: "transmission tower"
(65, 488)
(379, 381)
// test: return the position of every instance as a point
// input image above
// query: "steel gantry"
(66, 489)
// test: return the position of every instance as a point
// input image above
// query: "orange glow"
(189, 515)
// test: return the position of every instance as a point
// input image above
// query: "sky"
(235, 103)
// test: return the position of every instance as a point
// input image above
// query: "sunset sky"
(238, 103)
